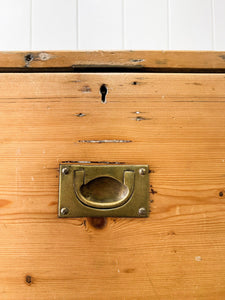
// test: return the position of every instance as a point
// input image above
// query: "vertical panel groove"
(108, 24)
(31, 14)
(123, 24)
(77, 23)
(168, 24)
(213, 23)
(219, 12)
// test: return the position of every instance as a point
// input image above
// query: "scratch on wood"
(104, 141)
(161, 62)
(85, 224)
(194, 83)
(85, 89)
(137, 60)
(53, 203)
(92, 162)
(222, 56)
(129, 270)
(136, 112)
(153, 191)
(137, 83)
(141, 118)
(80, 115)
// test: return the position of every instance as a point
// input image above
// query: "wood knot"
(98, 222)
(29, 57)
(28, 279)
(171, 232)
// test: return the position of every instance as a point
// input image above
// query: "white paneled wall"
(112, 24)
(100, 24)
(219, 24)
(146, 24)
(191, 24)
(15, 24)
(53, 24)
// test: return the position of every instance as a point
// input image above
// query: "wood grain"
(126, 59)
(175, 123)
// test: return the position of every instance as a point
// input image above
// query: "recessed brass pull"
(103, 191)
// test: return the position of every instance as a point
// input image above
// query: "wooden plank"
(175, 123)
(131, 59)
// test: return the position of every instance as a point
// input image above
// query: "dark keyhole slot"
(103, 91)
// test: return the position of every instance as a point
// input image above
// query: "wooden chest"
(163, 109)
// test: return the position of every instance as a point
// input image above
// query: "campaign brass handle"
(103, 192)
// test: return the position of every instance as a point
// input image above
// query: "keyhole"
(103, 91)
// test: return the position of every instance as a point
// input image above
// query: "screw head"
(142, 171)
(64, 211)
(142, 211)
(65, 171)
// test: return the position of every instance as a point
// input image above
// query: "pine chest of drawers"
(161, 109)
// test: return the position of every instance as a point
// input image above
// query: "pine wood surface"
(173, 122)
(128, 59)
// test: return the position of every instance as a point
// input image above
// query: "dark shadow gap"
(108, 69)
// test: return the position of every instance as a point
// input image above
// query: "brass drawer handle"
(113, 190)
(105, 191)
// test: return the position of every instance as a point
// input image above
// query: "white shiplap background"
(112, 24)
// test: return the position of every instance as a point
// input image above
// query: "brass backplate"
(103, 191)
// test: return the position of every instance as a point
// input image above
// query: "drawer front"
(175, 123)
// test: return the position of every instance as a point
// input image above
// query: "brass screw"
(65, 171)
(142, 211)
(64, 211)
(142, 171)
